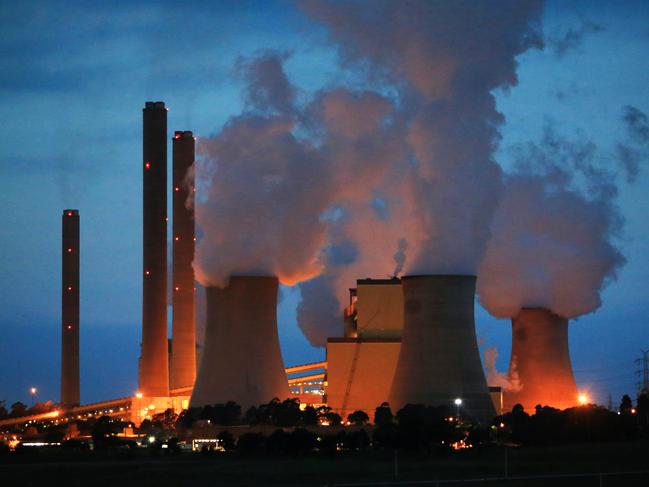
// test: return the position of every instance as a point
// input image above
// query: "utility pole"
(643, 372)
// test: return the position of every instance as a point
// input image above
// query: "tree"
(3, 410)
(626, 405)
(165, 420)
(18, 409)
(359, 418)
(226, 439)
(310, 416)
(102, 432)
(383, 415)
(333, 419)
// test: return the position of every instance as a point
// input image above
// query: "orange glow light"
(583, 399)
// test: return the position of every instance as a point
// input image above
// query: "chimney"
(70, 309)
(154, 371)
(540, 361)
(242, 361)
(183, 331)
(439, 359)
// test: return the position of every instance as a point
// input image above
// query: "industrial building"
(408, 340)
(361, 365)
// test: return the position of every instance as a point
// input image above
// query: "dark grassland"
(117, 468)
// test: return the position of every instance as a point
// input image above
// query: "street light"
(458, 403)
(583, 399)
(33, 392)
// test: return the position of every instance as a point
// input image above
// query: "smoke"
(554, 233)
(262, 188)
(561, 43)
(636, 148)
(442, 60)
(509, 382)
(400, 256)
(414, 157)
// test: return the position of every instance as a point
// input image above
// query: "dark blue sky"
(73, 80)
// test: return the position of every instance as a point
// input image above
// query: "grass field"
(195, 469)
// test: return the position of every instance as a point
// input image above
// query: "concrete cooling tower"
(540, 369)
(242, 361)
(439, 359)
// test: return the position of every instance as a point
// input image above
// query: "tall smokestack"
(154, 371)
(70, 309)
(242, 361)
(183, 351)
(439, 359)
(540, 361)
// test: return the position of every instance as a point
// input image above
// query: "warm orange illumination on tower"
(154, 367)
(540, 363)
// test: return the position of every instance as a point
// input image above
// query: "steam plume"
(551, 245)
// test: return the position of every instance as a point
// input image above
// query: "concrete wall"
(370, 378)
(154, 363)
(540, 361)
(379, 308)
(242, 361)
(183, 328)
(439, 359)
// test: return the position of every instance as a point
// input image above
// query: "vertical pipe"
(154, 367)
(70, 395)
(183, 351)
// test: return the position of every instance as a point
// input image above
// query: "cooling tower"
(540, 361)
(70, 309)
(183, 331)
(154, 366)
(241, 360)
(439, 359)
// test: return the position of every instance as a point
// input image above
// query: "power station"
(406, 341)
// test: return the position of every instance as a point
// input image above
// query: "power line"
(643, 371)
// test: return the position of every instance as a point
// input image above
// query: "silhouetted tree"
(101, 433)
(165, 420)
(3, 410)
(626, 405)
(383, 415)
(226, 439)
(333, 419)
(643, 409)
(310, 416)
(359, 418)
(18, 409)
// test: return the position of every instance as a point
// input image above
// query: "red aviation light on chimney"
(69, 288)
(146, 273)
(176, 239)
(176, 189)
(69, 250)
(177, 288)
(147, 165)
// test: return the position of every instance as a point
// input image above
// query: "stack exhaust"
(540, 366)
(241, 361)
(439, 359)
(70, 395)
(183, 350)
(154, 367)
